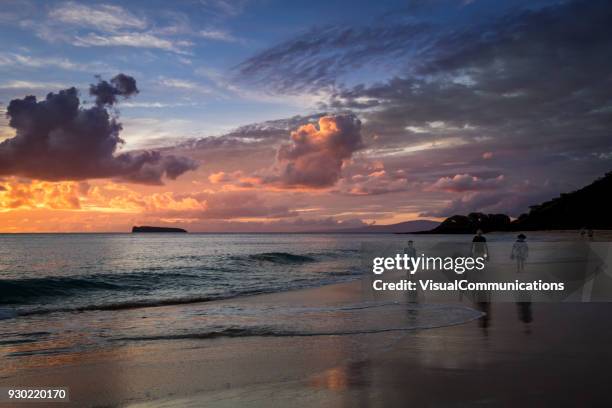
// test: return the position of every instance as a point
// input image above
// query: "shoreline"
(386, 369)
(146, 360)
(324, 370)
(320, 362)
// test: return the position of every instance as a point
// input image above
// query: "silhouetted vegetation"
(462, 224)
(588, 207)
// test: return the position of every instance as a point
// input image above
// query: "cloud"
(232, 205)
(155, 105)
(106, 93)
(39, 194)
(493, 85)
(279, 127)
(193, 206)
(471, 202)
(264, 135)
(320, 147)
(116, 198)
(111, 25)
(138, 40)
(30, 85)
(104, 16)
(24, 60)
(375, 183)
(315, 155)
(224, 8)
(318, 57)
(217, 35)
(57, 139)
(465, 182)
(184, 85)
(103, 26)
(497, 92)
(236, 180)
(512, 199)
(223, 177)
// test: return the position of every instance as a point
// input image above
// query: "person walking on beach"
(479, 246)
(520, 252)
(410, 250)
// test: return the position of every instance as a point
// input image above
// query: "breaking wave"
(282, 257)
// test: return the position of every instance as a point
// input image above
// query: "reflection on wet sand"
(335, 379)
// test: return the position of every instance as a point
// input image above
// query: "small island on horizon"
(146, 228)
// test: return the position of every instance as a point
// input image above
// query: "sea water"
(65, 293)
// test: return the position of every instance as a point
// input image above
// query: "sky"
(264, 115)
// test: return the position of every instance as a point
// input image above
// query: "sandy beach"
(542, 354)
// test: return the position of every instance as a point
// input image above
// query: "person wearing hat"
(520, 252)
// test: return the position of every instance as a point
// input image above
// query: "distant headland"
(145, 228)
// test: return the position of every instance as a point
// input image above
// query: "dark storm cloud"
(58, 139)
(106, 93)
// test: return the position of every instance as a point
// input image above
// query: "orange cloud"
(313, 160)
(315, 156)
(223, 177)
(41, 194)
(19, 195)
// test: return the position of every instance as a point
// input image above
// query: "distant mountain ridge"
(399, 228)
(588, 207)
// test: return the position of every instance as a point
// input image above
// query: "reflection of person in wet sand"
(525, 315)
(520, 252)
(479, 246)
(485, 307)
(410, 250)
(482, 298)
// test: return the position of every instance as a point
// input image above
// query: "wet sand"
(528, 355)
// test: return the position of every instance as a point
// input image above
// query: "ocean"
(65, 293)
(44, 273)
